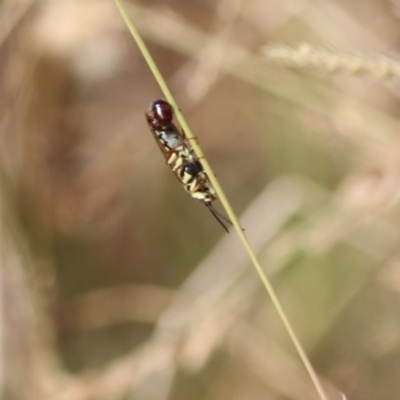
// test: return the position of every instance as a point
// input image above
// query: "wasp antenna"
(218, 216)
(221, 216)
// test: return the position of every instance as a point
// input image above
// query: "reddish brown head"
(162, 112)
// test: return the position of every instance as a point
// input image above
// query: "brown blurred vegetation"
(115, 284)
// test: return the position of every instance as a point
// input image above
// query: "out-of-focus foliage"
(115, 284)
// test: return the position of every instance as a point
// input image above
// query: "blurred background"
(115, 284)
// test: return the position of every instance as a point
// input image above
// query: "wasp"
(180, 156)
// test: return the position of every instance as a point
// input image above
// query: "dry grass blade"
(153, 67)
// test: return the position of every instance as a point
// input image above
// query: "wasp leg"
(218, 216)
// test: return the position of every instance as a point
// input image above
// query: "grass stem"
(168, 95)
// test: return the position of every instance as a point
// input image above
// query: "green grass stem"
(221, 195)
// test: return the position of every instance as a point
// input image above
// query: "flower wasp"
(180, 156)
